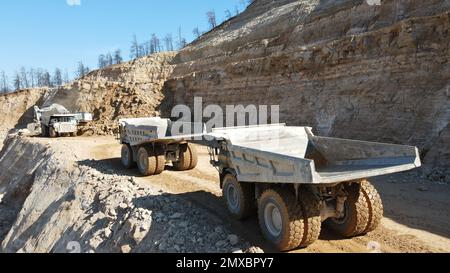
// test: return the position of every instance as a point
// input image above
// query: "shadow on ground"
(249, 229)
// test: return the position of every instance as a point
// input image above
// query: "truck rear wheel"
(239, 197)
(194, 156)
(52, 132)
(188, 159)
(127, 156)
(375, 205)
(281, 219)
(160, 164)
(147, 164)
(311, 215)
(363, 211)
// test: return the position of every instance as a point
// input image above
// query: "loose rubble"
(106, 212)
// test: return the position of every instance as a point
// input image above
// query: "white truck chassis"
(295, 181)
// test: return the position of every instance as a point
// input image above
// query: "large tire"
(126, 156)
(375, 205)
(311, 216)
(281, 219)
(194, 156)
(239, 197)
(363, 211)
(186, 160)
(52, 132)
(160, 164)
(147, 163)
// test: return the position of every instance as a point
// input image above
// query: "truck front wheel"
(147, 164)
(127, 156)
(239, 197)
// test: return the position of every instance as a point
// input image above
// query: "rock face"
(17, 109)
(377, 73)
(132, 89)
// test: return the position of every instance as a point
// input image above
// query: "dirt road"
(417, 218)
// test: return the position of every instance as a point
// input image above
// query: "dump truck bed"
(140, 131)
(281, 154)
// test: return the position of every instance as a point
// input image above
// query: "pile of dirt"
(53, 202)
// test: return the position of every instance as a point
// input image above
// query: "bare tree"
(4, 86)
(181, 40)
(155, 45)
(211, 16)
(46, 79)
(118, 56)
(39, 81)
(236, 10)
(31, 77)
(101, 61)
(66, 77)
(135, 48)
(24, 78)
(228, 14)
(196, 32)
(57, 77)
(16, 82)
(145, 49)
(109, 59)
(82, 70)
(168, 40)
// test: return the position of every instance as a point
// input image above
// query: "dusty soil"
(417, 218)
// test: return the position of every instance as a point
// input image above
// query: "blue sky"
(60, 33)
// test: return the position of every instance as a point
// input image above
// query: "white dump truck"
(296, 181)
(293, 180)
(150, 144)
(56, 120)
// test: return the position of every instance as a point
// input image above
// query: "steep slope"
(377, 73)
(53, 198)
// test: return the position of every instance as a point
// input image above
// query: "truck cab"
(56, 120)
(62, 124)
